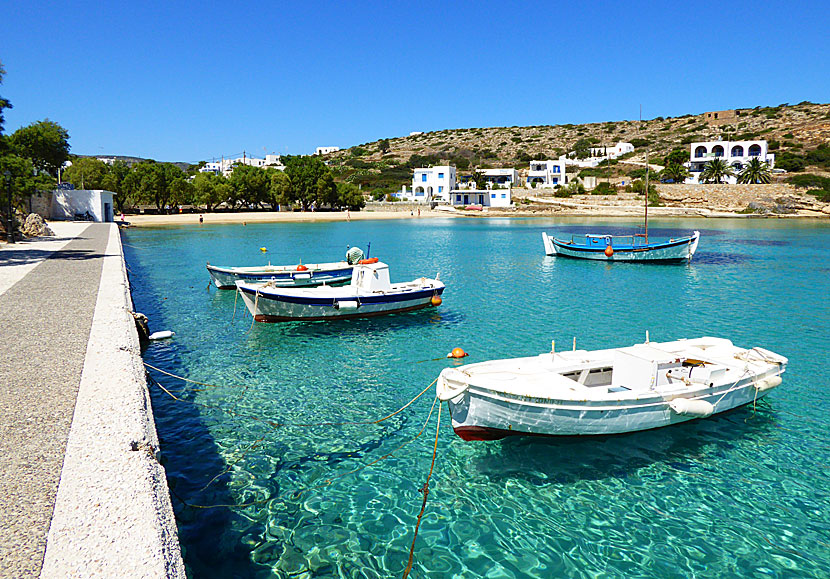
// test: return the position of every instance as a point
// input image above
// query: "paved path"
(45, 320)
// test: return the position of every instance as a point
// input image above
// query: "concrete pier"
(81, 491)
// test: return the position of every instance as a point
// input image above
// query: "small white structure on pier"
(85, 204)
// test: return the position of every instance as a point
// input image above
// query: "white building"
(601, 153)
(70, 204)
(225, 166)
(499, 177)
(481, 197)
(736, 154)
(326, 150)
(433, 183)
(549, 173)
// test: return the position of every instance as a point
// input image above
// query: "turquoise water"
(746, 493)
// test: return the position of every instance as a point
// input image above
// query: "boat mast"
(646, 192)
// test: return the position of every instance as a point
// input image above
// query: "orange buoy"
(609, 251)
(436, 300)
(457, 353)
(301, 267)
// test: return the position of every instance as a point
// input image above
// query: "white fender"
(767, 383)
(695, 408)
(161, 335)
(347, 305)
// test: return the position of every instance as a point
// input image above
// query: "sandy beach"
(275, 217)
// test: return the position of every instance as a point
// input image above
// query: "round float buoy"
(263, 249)
(609, 251)
(301, 267)
(436, 300)
(457, 353)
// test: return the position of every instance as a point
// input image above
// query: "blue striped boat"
(622, 247)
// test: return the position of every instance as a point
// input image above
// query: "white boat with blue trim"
(622, 247)
(612, 391)
(370, 293)
(299, 275)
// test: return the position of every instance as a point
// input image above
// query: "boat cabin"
(371, 277)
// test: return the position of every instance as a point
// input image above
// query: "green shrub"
(819, 156)
(809, 180)
(604, 188)
(358, 151)
(789, 161)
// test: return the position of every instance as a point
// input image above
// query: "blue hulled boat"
(622, 247)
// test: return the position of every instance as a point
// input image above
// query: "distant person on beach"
(201, 219)
(122, 216)
(348, 215)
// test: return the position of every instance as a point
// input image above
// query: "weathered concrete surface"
(47, 303)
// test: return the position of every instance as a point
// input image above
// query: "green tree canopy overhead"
(45, 142)
(756, 171)
(716, 171)
(279, 187)
(210, 189)
(676, 157)
(86, 173)
(151, 182)
(674, 172)
(24, 181)
(114, 181)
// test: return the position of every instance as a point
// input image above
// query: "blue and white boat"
(622, 247)
(299, 275)
(370, 293)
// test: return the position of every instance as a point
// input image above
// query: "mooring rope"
(425, 491)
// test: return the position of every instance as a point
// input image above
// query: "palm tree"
(674, 172)
(756, 171)
(716, 171)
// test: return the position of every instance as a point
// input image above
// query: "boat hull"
(479, 414)
(268, 306)
(594, 248)
(226, 277)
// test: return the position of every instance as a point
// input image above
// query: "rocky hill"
(793, 133)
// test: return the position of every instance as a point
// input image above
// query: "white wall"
(551, 172)
(67, 203)
(483, 197)
(433, 183)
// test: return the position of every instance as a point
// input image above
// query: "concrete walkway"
(49, 296)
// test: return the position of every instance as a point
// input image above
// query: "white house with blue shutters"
(736, 154)
(432, 184)
(548, 173)
(482, 197)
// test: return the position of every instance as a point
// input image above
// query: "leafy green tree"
(249, 185)
(327, 190)
(279, 188)
(181, 191)
(674, 172)
(151, 182)
(676, 157)
(716, 171)
(756, 171)
(114, 181)
(24, 181)
(208, 190)
(349, 196)
(46, 143)
(303, 173)
(582, 149)
(4, 104)
(86, 173)
(383, 145)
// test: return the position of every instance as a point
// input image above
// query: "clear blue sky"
(178, 81)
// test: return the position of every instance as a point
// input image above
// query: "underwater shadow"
(190, 457)
(570, 459)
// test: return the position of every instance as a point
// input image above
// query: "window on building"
(504, 195)
(556, 169)
(555, 180)
(492, 195)
(440, 188)
(424, 177)
(458, 198)
(440, 175)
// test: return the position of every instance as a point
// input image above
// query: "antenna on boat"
(647, 337)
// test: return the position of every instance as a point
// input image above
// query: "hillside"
(793, 132)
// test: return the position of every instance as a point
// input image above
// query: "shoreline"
(600, 212)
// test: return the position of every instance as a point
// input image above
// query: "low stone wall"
(773, 197)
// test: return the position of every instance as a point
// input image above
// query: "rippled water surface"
(740, 494)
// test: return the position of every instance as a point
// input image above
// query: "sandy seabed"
(274, 217)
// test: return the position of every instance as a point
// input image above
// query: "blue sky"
(193, 81)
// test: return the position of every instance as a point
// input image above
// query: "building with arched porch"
(433, 184)
(736, 154)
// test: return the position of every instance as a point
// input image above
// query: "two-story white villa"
(433, 183)
(548, 173)
(736, 154)
(499, 177)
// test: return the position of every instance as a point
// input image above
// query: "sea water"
(262, 487)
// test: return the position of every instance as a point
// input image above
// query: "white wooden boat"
(309, 274)
(370, 293)
(606, 391)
